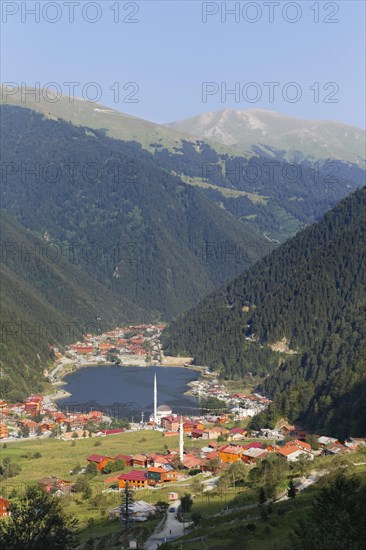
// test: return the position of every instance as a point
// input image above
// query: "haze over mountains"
(254, 131)
(262, 132)
(276, 200)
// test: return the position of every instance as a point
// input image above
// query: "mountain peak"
(256, 130)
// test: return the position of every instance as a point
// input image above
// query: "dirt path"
(172, 529)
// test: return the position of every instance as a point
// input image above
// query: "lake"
(128, 391)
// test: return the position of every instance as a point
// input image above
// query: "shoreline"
(59, 372)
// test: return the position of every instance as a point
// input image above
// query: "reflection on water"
(127, 391)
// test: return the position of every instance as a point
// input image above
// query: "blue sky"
(169, 53)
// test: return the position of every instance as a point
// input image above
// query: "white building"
(161, 411)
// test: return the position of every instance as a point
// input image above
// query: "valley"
(185, 319)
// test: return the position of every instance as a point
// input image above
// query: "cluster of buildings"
(153, 469)
(120, 342)
(34, 418)
(242, 405)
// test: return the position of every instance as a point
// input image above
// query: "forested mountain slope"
(311, 292)
(129, 223)
(275, 187)
(45, 299)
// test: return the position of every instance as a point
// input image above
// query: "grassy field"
(59, 457)
(246, 530)
(225, 191)
(231, 531)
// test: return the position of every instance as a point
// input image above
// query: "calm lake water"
(128, 391)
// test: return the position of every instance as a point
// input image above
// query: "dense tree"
(120, 215)
(262, 496)
(8, 468)
(196, 517)
(309, 297)
(92, 469)
(291, 490)
(126, 513)
(37, 522)
(337, 518)
(186, 502)
(196, 487)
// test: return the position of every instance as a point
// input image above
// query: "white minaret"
(181, 441)
(155, 401)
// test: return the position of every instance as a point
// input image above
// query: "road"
(171, 530)
(210, 484)
(312, 478)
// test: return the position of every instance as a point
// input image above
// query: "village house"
(46, 426)
(83, 350)
(251, 455)
(300, 433)
(287, 429)
(32, 426)
(236, 434)
(190, 462)
(4, 508)
(94, 416)
(300, 445)
(210, 433)
(170, 423)
(140, 460)
(336, 449)
(75, 424)
(33, 404)
(324, 440)
(127, 459)
(162, 411)
(52, 484)
(230, 453)
(100, 460)
(190, 425)
(196, 433)
(355, 442)
(212, 455)
(76, 434)
(136, 479)
(293, 453)
(4, 432)
(160, 475)
(214, 433)
(270, 434)
(159, 461)
(223, 419)
(284, 427)
(105, 346)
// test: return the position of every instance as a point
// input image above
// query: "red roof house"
(100, 460)
(135, 478)
(4, 507)
(127, 459)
